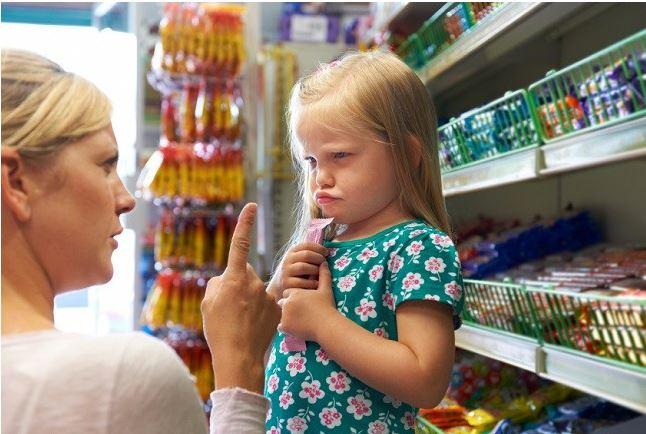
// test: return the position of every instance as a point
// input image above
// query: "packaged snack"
(315, 234)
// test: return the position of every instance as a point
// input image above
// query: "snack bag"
(314, 234)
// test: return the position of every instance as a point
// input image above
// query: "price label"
(307, 28)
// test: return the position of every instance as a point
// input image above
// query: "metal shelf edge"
(516, 351)
(622, 386)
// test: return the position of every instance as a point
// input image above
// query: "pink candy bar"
(314, 234)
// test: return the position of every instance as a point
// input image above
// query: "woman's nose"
(125, 201)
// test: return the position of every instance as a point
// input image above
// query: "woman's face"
(75, 212)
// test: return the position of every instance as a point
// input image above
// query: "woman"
(61, 201)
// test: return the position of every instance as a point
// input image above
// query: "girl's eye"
(311, 161)
(338, 155)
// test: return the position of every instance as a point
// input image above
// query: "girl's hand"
(306, 310)
(300, 262)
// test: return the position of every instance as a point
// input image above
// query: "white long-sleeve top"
(59, 382)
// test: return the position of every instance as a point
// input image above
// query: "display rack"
(499, 33)
(618, 384)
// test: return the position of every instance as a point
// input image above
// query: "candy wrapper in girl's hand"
(315, 234)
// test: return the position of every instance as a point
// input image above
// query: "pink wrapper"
(314, 234)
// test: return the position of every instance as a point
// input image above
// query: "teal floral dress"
(371, 277)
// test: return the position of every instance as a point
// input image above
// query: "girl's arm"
(416, 369)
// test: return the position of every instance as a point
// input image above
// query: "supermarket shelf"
(609, 380)
(619, 142)
(509, 169)
(515, 350)
(505, 29)
(623, 386)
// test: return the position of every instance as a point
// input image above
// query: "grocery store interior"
(542, 149)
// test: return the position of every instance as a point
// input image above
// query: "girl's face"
(352, 179)
(75, 212)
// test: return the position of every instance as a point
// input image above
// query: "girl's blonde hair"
(372, 94)
(44, 107)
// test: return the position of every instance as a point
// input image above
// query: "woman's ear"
(415, 153)
(14, 193)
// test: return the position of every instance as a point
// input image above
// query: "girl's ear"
(14, 193)
(415, 151)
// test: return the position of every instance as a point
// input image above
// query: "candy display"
(196, 177)
(201, 173)
(200, 39)
(487, 396)
(199, 240)
(174, 300)
(492, 249)
(499, 127)
(603, 88)
(194, 352)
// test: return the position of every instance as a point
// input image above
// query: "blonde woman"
(380, 312)
(61, 201)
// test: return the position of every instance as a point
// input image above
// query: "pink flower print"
(414, 248)
(396, 403)
(416, 232)
(395, 263)
(330, 417)
(296, 364)
(359, 406)
(376, 273)
(366, 309)
(273, 430)
(435, 265)
(272, 384)
(381, 332)
(346, 283)
(408, 420)
(286, 399)
(269, 417)
(412, 281)
(442, 241)
(378, 427)
(322, 357)
(331, 252)
(338, 382)
(311, 391)
(366, 254)
(389, 243)
(453, 290)
(272, 358)
(283, 347)
(342, 262)
(388, 300)
(432, 297)
(296, 425)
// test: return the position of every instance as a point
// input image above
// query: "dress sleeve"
(426, 267)
(154, 392)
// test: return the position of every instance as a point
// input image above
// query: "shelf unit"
(620, 142)
(546, 174)
(592, 375)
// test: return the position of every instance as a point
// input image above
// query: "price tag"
(309, 28)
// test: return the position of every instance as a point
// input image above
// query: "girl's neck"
(27, 296)
(389, 216)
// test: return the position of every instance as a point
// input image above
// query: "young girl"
(379, 314)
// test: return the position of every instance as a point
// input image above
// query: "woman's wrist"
(239, 370)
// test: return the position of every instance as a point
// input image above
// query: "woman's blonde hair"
(372, 94)
(44, 107)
